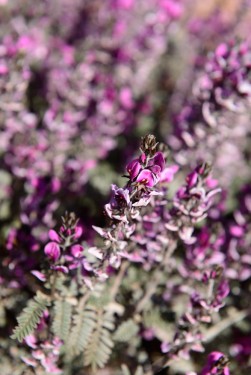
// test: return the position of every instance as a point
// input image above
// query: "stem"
(118, 280)
(235, 317)
(212, 333)
(156, 278)
(210, 290)
(53, 285)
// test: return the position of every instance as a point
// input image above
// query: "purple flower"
(54, 236)
(52, 250)
(39, 275)
(78, 232)
(237, 231)
(133, 168)
(216, 364)
(76, 250)
(147, 178)
(168, 173)
(120, 198)
(158, 160)
(192, 179)
(223, 290)
(119, 201)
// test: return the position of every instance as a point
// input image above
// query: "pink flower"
(192, 179)
(53, 236)
(216, 361)
(237, 231)
(52, 250)
(126, 98)
(78, 232)
(158, 160)
(76, 250)
(133, 168)
(168, 173)
(39, 275)
(147, 178)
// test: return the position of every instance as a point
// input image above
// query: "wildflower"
(52, 250)
(216, 365)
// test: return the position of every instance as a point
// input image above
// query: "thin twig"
(118, 280)
(235, 317)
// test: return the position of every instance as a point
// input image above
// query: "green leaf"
(30, 317)
(84, 323)
(126, 331)
(62, 319)
(100, 344)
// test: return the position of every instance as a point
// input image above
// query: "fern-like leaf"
(62, 319)
(30, 317)
(126, 331)
(100, 344)
(84, 323)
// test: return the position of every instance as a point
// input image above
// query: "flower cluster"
(68, 91)
(159, 271)
(45, 354)
(214, 122)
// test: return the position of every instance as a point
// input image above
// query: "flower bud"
(149, 145)
(53, 236)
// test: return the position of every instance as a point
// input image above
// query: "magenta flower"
(120, 198)
(147, 178)
(78, 232)
(216, 364)
(133, 168)
(168, 173)
(192, 179)
(237, 231)
(52, 250)
(76, 250)
(158, 160)
(54, 236)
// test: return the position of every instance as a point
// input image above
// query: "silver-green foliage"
(62, 319)
(83, 324)
(30, 317)
(126, 331)
(100, 344)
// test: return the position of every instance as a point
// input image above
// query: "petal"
(167, 174)
(53, 236)
(76, 250)
(133, 168)
(52, 250)
(159, 160)
(147, 178)
(78, 232)
(62, 269)
(39, 275)
(192, 179)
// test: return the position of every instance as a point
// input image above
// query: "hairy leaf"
(84, 323)
(100, 344)
(62, 319)
(126, 331)
(30, 317)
